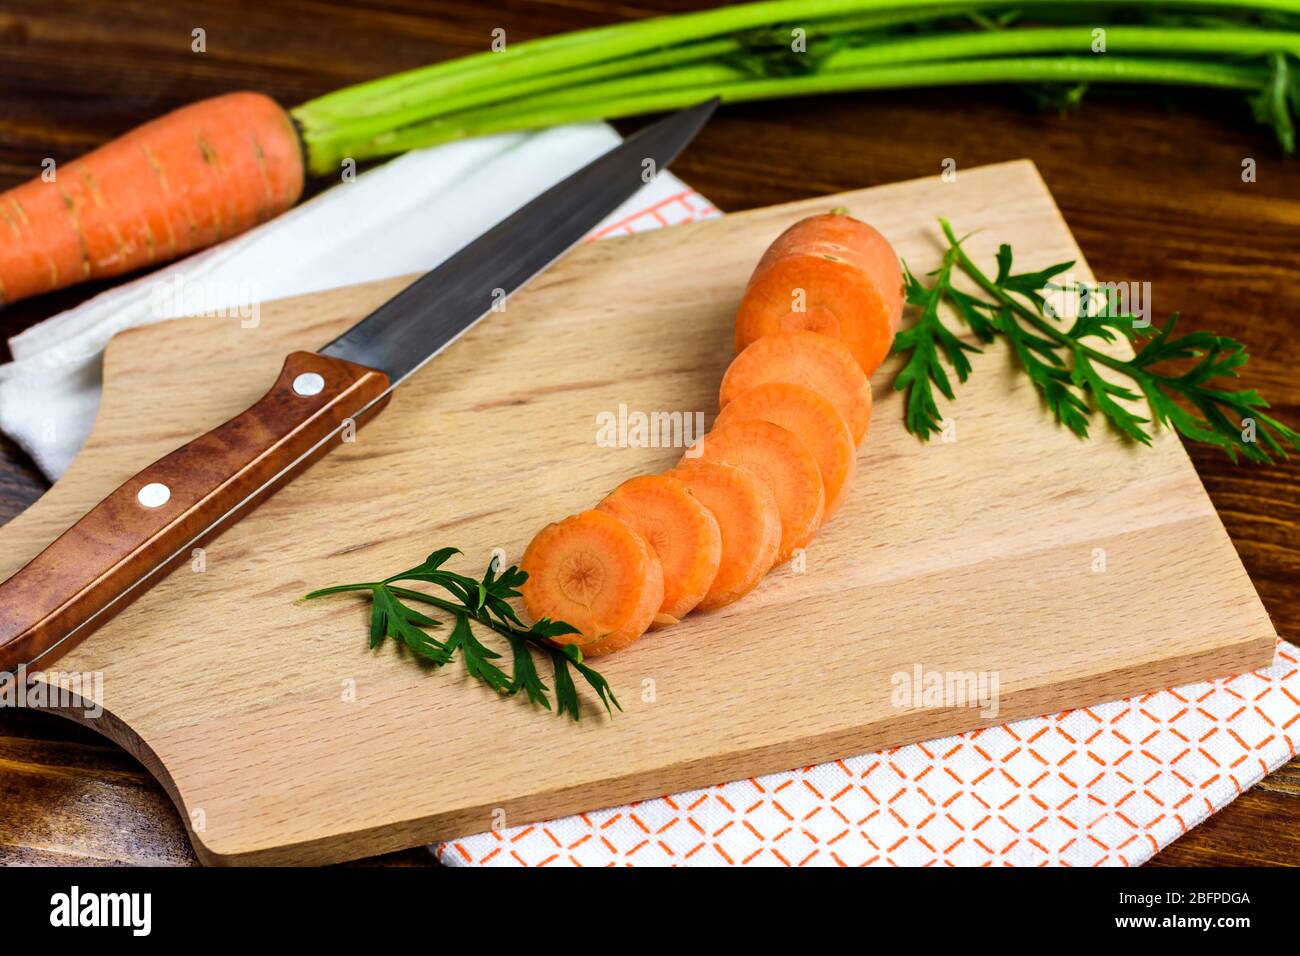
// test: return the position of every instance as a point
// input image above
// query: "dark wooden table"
(1149, 181)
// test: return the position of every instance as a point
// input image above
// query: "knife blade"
(405, 332)
(152, 521)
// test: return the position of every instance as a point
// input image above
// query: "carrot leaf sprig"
(929, 341)
(1174, 374)
(485, 602)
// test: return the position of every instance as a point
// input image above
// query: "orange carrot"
(596, 573)
(181, 182)
(749, 520)
(814, 419)
(812, 360)
(779, 458)
(682, 533)
(831, 274)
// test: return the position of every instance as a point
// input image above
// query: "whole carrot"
(176, 184)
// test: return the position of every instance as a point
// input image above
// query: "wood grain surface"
(1149, 181)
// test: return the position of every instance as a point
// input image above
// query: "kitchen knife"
(152, 521)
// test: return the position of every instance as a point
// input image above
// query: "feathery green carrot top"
(478, 603)
(1179, 380)
(801, 47)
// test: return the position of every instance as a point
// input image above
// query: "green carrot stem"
(1169, 41)
(555, 109)
(433, 98)
(960, 46)
(610, 42)
(406, 98)
(418, 105)
(345, 116)
(416, 87)
(565, 51)
(351, 140)
(342, 589)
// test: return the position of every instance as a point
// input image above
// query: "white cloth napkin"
(403, 217)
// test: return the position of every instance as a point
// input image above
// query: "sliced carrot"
(196, 176)
(749, 520)
(810, 359)
(831, 274)
(778, 457)
(682, 532)
(811, 417)
(596, 573)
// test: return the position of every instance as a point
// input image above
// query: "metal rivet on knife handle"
(154, 495)
(308, 383)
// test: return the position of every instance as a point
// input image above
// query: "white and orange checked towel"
(1098, 786)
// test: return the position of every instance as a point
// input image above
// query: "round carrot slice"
(682, 533)
(831, 274)
(812, 360)
(596, 573)
(778, 457)
(811, 417)
(747, 516)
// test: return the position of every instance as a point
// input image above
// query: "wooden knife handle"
(151, 522)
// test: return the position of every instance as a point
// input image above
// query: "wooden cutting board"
(283, 739)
